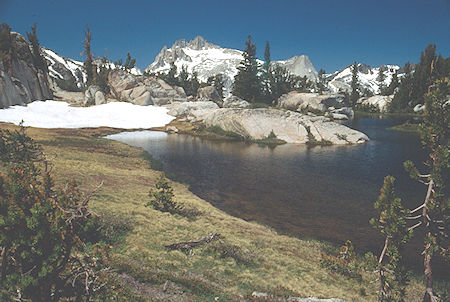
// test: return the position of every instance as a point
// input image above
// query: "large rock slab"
(22, 83)
(94, 96)
(234, 102)
(379, 101)
(305, 101)
(191, 110)
(209, 93)
(292, 127)
(143, 90)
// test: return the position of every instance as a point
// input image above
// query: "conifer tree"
(281, 82)
(380, 79)
(194, 84)
(391, 223)
(171, 77)
(391, 88)
(267, 80)
(6, 47)
(246, 82)
(89, 66)
(38, 59)
(415, 84)
(129, 62)
(354, 96)
(433, 213)
(321, 82)
(183, 80)
(41, 228)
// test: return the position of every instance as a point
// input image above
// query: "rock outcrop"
(234, 102)
(142, 90)
(324, 103)
(209, 93)
(94, 96)
(379, 101)
(300, 66)
(20, 81)
(191, 110)
(292, 127)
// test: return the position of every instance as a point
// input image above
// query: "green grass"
(406, 127)
(387, 114)
(249, 257)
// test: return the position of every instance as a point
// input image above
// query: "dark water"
(312, 192)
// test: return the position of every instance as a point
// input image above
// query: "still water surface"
(312, 192)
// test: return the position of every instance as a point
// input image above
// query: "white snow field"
(57, 114)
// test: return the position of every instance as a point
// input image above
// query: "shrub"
(162, 200)
(43, 249)
(272, 135)
(162, 197)
(344, 262)
(225, 249)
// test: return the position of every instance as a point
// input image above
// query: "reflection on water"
(320, 192)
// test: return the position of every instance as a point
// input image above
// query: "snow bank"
(53, 114)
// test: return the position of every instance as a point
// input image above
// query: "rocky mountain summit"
(207, 59)
(21, 81)
(300, 66)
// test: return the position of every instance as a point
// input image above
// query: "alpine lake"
(320, 192)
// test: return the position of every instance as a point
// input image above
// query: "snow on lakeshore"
(54, 114)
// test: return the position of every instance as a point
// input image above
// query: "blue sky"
(332, 33)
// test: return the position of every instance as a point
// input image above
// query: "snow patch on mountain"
(207, 59)
(63, 68)
(367, 77)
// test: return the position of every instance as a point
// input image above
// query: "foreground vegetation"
(247, 257)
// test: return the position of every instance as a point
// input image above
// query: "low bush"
(343, 262)
(162, 200)
(225, 249)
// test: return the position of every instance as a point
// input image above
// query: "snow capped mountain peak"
(207, 59)
(367, 77)
(200, 56)
(300, 66)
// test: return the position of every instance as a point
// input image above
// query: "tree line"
(265, 83)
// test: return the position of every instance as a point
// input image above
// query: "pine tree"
(129, 62)
(391, 88)
(380, 79)
(246, 82)
(89, 66)
(183, 80)
(162, 197)
(43, 253)
(281, 82)
(267, 79)
(171, 77)
(354, 96)
(6, 47)
(392, 225)
(321, 85)
(194, 84)
(415, 84)
(38, 59)
(433, 213)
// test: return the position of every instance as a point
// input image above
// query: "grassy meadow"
(249, 257)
